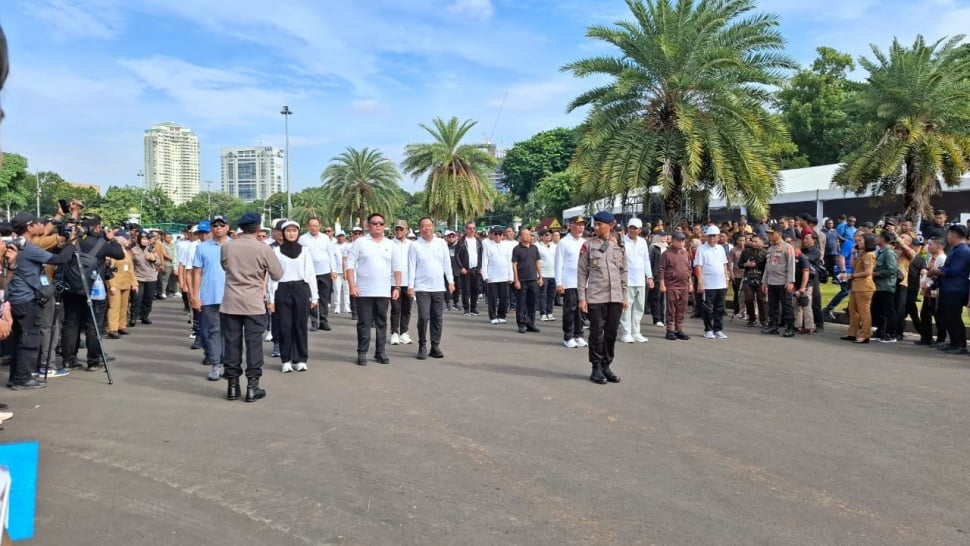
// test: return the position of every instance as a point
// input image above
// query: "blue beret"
(123, 233)
(250, 219)
(203, 226)
(604, 216)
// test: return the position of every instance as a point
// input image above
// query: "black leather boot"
(253, 392)
(233, 392)
(609, 375)
(422, 352)
(597, 376)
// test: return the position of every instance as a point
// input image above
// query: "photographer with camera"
(752, 263)
(28, 290)
(94, 245)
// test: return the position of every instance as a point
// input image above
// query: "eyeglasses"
(377, 223)
(398, 228)
(328, 231)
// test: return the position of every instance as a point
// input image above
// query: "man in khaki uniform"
(247, 262)
(602, 286)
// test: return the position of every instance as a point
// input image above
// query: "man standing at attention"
(208, 287)
(547, 294)
(430, 273)
(527, 280)
(326, 262)
(469, 255)
(674, 274)
(373, 277)
(601, 279)
(567, 260)
(247, 263)
(639, 280)
(712, 270)
(778, 282)
(401, 307)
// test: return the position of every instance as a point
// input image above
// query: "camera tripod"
(94, 316)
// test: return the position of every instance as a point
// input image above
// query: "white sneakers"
(580, 342)
(659, 324)
(287, 367)
(405, 339)
(269, 336)
(639, 338)
(502, 321)
(709, 335)
(570, 343)
(720, 335)
(550, 316)
(627, 339)
(546, 317)
(395, 339)
(300, 366)
(494, 321)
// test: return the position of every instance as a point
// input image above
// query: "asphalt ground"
(750, 440)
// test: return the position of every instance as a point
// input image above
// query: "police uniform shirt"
(601, 272)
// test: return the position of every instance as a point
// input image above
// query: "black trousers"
(951, 317)
(928, 315)
(547, 295)
(353, 307)
(470, 291)
(141, 303)
(324, 291)
(572, 319)
(372, 313)
(431, 308)
(239, 329)
(77, 316)
(656, 303)
(498, 300)
(401, 312)
(885, 302)
(902, 308)
(525, 308)
(817, 304)
(455, 297)
(736, 288)
(781, 312)
(604, 320)
(752, 296)
(27, 318)
(293, 309)
(713, 309)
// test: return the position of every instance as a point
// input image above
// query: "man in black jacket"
(469, 256)
(76, 313)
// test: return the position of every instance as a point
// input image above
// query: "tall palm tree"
(361, 182)
(311, 203)
(685, 105)
(457, 174)
(915, 112)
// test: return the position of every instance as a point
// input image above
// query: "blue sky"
(89, 76)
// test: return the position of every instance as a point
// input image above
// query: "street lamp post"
(37, 176)
(286, 125)
(141, 199)
(208, 191)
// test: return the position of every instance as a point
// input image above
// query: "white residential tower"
(172, 161)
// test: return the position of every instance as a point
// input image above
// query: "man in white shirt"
(401, 307)
(639, 280)
(497, 272)
(712, 271)
(326, 261)
(547, 294)
(429, 274)
(373, 277)
(355, 233)
(567, 264)
(341, 299)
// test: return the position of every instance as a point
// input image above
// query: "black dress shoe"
(436, 352)
(27, 385)
(382, 359)
(532, 329)
(253, 392)
(196, 345)
(789, 332)
(682, 336)
(325, 327)
(146, 321)
(361, 360)
(71, 364)
(671, 336)
(598, 377)
(610, 376)
(847, 338)
(112, 335)
(233, 391)
(123, 332)
(523, 329)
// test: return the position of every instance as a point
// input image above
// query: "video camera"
(14, 242)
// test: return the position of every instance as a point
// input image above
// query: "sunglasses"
(398, 228)
(377, 223)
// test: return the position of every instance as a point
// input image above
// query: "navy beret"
(604, 216)
(250, 219)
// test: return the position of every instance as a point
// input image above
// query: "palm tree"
(311, 203)
(457, 174)
(685, 107)
(361, 182)
(915, 112)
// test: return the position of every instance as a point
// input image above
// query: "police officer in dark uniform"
(601, 282)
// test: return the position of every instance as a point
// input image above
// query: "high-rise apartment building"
(172, 161)
(253, 172)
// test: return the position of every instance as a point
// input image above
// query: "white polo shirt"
(637, 261)
(711, 260)
(429, 265)
(496, 261)
(548, 256)
(401, 247)
(323, 251)
(567, 260)
(374, 266)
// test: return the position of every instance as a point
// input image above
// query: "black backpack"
(71, 281)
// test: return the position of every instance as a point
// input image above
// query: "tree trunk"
(674, 202)
(361, 212)
(912, 204)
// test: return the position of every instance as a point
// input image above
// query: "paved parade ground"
(749, 440)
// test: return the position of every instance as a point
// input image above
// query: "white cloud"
(79, 19)
(369, 106)
(476, 9)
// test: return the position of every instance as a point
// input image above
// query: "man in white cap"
(711, 270)
(639, 279)
(341, 299)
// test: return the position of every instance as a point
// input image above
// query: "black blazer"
(461, 253)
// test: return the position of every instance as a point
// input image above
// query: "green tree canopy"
(53, 187)
(14, 188)
(814, 107)
(557, 192)
(686, 98)
(199, 207)
(528, 162)
(914, 123)
(361, 182)
(456, 175)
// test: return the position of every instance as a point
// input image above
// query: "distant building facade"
(253, 172)
(172, 161)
